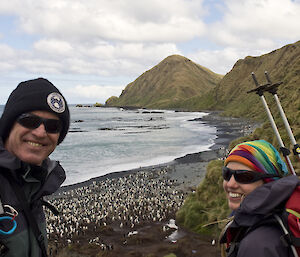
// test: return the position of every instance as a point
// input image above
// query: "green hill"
(230, 95)
(177, 82)
(282, 65)
(174, 79)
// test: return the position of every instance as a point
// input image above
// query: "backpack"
(289, 220)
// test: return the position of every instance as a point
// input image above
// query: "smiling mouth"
(34, 144)
(235, 195)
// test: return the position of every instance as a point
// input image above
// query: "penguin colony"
(128, 201)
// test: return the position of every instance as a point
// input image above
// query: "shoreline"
(227, 129)
(127, 213)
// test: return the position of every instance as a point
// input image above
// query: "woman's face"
(235, 191)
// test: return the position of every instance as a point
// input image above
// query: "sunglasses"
(244, 176)
(31, 121)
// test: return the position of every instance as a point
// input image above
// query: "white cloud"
(6, 66)
(257, 24)
(247, 27)
(7, 52)
(60, 57)
(92, 93)
(57, 47)
(152, 21)
(115, 40)
(221, 61)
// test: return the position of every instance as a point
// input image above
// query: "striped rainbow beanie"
(260, 156)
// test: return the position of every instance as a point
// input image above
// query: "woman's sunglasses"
(31, 121)
(245, 176)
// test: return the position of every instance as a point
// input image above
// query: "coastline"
(227, 129)
(132, 212)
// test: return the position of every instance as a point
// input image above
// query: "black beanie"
(35, 95)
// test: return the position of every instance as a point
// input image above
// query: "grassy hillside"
(174, 83)
(230, 95)
(207, 205)
(283, 65)
(173, 80)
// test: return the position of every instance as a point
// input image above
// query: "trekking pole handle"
(254, 78)
(267, 77)
(260, 92)
(296, 150)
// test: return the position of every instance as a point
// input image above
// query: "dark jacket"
(254, 229)
(36, 183)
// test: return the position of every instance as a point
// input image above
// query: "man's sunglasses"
(245, 176)
(31, 121)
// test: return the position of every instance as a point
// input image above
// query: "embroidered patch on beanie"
(56, 102)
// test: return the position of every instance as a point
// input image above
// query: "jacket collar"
(8, 160)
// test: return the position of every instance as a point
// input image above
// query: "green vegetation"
(207, 205)
(166, 85)
(111, 101)
(206, 210)
(178, 83)
(98, 105)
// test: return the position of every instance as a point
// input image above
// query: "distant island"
(90, 105)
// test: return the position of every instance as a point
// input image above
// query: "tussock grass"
(207, 205)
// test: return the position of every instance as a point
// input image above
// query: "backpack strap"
(234, 245)
(29, 217)
(232, 251)
(294, 240)
(293, 212)
(51, 207)
(286, 238)
(1, 207)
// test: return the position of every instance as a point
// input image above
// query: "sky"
(92, 49)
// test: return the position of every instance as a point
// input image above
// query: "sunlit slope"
(173, 80)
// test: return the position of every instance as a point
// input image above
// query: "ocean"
(105, 140)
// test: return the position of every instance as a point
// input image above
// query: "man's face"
(32, 145)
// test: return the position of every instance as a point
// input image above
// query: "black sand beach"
(128, 213)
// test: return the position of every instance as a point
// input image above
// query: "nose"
(232, 182)
(39, 131)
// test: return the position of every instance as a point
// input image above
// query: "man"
(35, 120)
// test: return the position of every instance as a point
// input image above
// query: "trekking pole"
(260, 91)
(273, 90)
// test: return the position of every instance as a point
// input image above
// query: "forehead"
(237, 166)
(45, 114)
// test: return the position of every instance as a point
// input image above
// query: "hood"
(264, 200)
(54, 180)
(8, 160)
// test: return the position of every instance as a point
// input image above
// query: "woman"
(255, 186)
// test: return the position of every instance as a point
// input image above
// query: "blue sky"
(92, 49)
